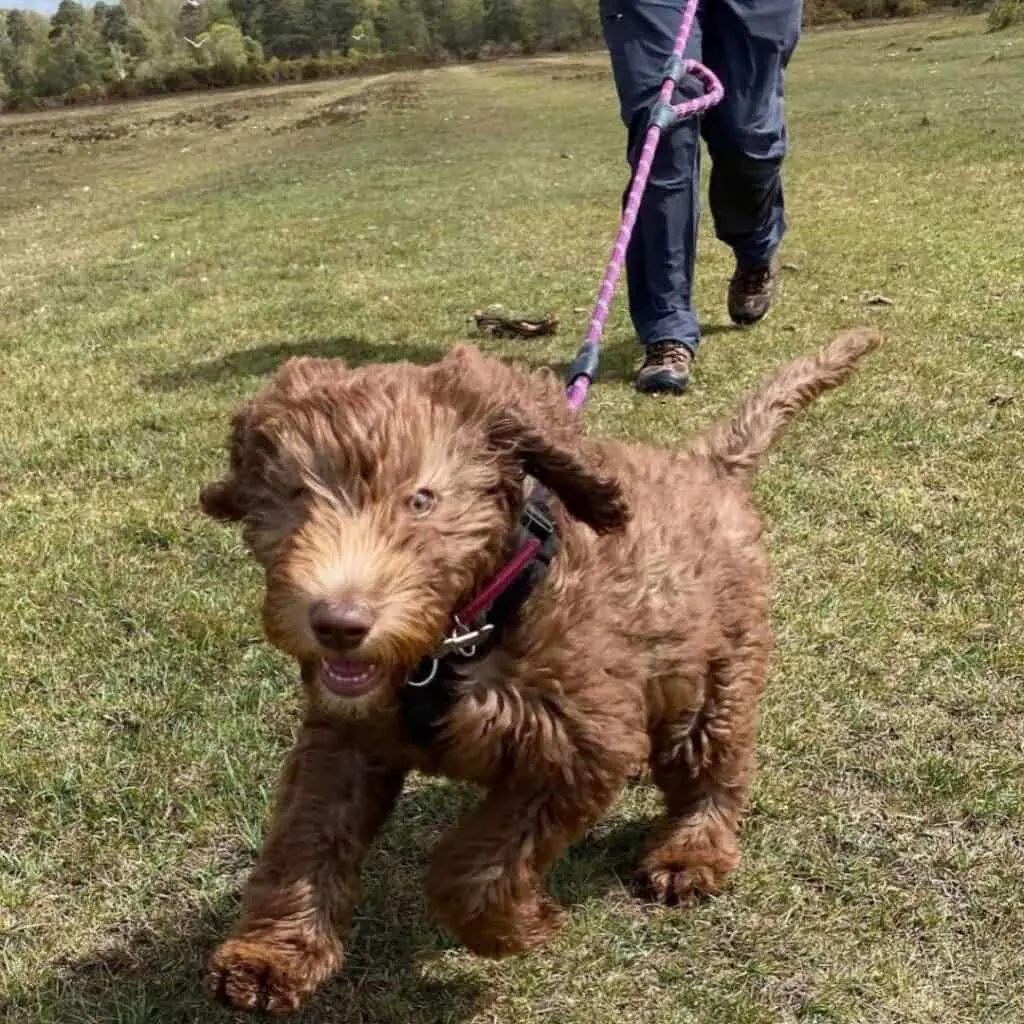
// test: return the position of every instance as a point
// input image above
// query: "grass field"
(156, 260)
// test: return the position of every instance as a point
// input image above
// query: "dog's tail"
(737, 445)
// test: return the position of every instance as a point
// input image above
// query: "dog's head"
(379, 499)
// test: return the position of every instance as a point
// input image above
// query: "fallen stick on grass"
(497, 325)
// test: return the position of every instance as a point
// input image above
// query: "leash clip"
(461, 641)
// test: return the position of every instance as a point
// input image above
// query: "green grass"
(150, 278)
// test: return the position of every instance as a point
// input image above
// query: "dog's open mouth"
(345, 678)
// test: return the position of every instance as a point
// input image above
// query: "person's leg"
(660, 258)
(749, 43)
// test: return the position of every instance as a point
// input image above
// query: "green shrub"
(84, 93)
(1004, 14)
(824, 12)
(219, 70)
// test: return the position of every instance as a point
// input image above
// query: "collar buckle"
(537, 520)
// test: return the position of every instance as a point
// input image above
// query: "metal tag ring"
(431, 675)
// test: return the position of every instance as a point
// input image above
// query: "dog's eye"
(422, 502)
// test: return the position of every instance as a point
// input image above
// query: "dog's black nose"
(340, 625)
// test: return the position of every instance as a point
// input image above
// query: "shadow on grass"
(153, 974)
(265, 359)
(603, 862)
(618, 360)
(157, 979)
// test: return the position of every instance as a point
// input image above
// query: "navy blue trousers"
(748, 44)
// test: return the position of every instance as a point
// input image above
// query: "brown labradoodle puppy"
(379, 500)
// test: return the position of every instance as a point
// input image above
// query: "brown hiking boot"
(666, 369)
(751, 291)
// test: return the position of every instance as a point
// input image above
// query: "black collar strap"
(426, 697)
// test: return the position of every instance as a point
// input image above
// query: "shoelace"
(673, 356)
(754, 278)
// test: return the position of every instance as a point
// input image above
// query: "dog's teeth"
(347, 675)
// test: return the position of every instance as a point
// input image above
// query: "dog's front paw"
(679, 878)
(261, 974)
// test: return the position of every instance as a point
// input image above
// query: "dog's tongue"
(348, 678)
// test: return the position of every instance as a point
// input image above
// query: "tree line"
(145, 47)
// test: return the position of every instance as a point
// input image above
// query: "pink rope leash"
(664, 115)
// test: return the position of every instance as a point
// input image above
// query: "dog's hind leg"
(301, 894)
(704, 764)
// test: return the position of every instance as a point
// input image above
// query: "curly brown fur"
(378, 500)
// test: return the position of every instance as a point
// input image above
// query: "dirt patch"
(581, 73)
(558, 71)
(390, 96)
(210, 118)
(59, 133)
(56, 134)
(24, 130)
(222, 116)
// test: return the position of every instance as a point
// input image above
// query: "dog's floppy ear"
(225, 499)
(524, 414)
(230, 499)
(588, 496)
(219, 501)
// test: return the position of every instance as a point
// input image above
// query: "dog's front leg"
(486, 875)
(301, 894)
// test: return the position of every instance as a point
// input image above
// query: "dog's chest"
(424, 709)
(429, 712)
(479, 721)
